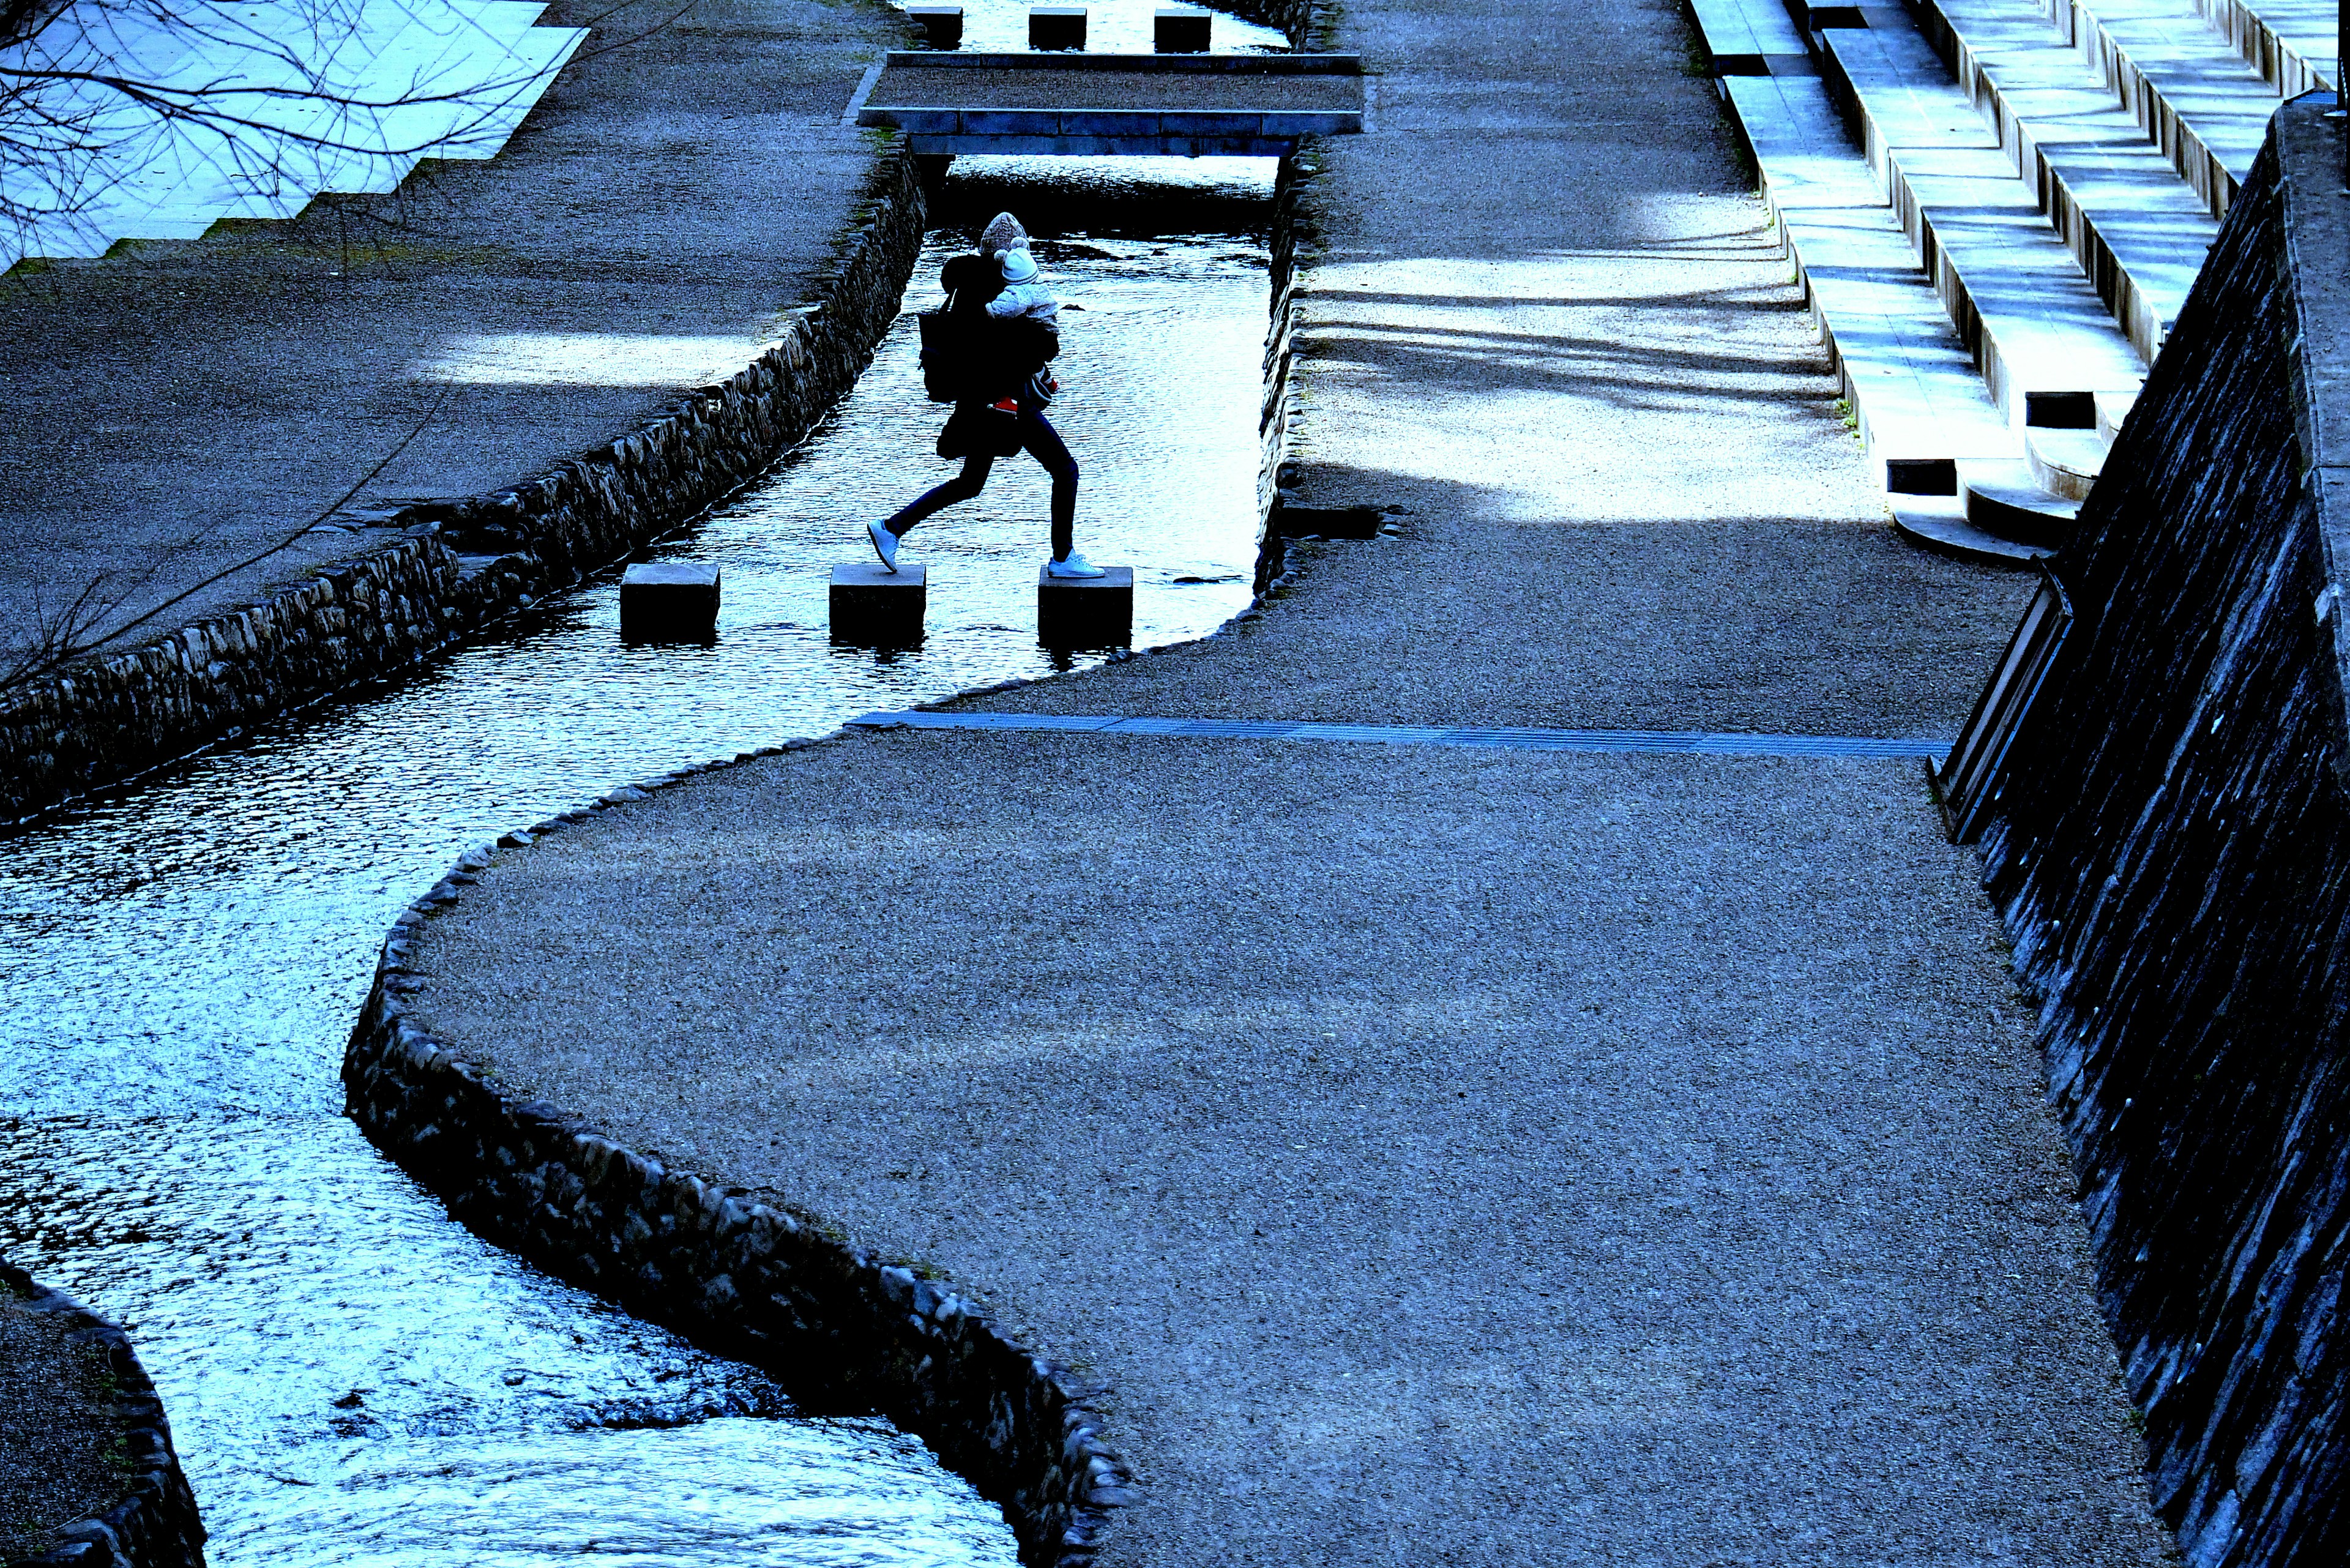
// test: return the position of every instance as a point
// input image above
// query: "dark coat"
(1002, 354)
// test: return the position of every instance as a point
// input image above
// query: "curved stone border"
(155, 1525)
(464, 563)
(843, 1328)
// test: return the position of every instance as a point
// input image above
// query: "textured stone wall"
(841, 1328)
(155, 1524)
(461, 564)
(2173, 860)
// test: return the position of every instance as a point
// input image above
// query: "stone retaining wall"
(155, 1525)
(2172, 857)
(842, 1328)
(464, 563)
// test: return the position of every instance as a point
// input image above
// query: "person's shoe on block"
(1073, 564)
(885, 544)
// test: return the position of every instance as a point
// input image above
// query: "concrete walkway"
(178, 405)
(1445, 1156)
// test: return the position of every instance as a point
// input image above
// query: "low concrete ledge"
(1101, 146)
(1114, 124)
(155, 1524)
(845, 1330)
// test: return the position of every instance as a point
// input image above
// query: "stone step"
(939, 26)
(2066, 463)
(668, 601)
(1940, 523)
(1750, 38)
(1057, 27)
(2040, 335)
(2111, 410)
(1920, 408)
(873, 607)
(2291, 42)
(2006, 499)
(2190, 89)
(1086, 612)
(2136, 227)
(1180, 30)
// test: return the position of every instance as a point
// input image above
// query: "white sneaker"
(1073, 564)
(885, 544)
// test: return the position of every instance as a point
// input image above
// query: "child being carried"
(1025, 292)
(1027, 295)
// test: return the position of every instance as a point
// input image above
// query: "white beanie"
(1019, 266)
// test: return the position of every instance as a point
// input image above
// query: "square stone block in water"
(1180, 30)
(668, 600)
(876, 607)
(1057, 27)
(1086, 612)
(939, 26)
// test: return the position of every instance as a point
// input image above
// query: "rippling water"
(352, 1377)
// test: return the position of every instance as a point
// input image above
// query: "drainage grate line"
(1690, 743)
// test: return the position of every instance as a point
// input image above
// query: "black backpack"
(946, 357)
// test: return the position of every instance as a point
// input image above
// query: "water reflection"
(354, 1379)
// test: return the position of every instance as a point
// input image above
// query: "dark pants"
(1044, 443)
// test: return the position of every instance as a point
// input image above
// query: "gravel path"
(58, 1431)
(1446, 1156)
(1462, 1157)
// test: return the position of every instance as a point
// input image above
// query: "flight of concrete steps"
(250, 109)
(1997, 208)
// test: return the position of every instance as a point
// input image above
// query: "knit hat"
(1002, 232)
(1019, 266)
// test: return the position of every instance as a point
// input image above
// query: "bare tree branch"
(64, 637)
(283, 109)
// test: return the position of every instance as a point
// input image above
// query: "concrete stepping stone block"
(939, 26)
(663, 601)
(1180, 30)
(1086, 612)
(876, 607)
(1057, 27)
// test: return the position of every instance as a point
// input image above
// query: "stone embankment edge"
(462, 563)
(155, 1525)
(844, 1328)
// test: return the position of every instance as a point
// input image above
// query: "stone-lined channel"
(352, 1377)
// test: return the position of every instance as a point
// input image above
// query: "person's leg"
(1044, 443)
(961, 487)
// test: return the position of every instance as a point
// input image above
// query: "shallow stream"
(352, 1377)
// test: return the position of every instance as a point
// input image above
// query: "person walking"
(1007, 326)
